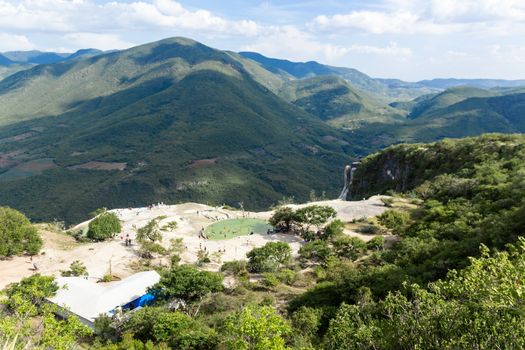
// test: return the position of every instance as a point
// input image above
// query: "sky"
(405, 39)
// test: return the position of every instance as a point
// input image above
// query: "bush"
(17, 235)
(77, 268)
(349, 247)
(236, 267)
(376, 243)
(287, 276)
(369, 230)
(395, 220)
(316, 251)
(270, 257)
(333, 230)
(104, 226)
(270, 280)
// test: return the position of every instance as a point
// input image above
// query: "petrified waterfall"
(349, 177)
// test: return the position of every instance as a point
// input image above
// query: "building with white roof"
(88, 300)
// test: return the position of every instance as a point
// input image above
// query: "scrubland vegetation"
(449, 278)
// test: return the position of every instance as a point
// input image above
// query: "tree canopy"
(17, 234)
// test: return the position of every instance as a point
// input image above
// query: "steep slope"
(169, 121)
(468, 117)
(4, 61)
(447, 98)
(334, 100)
(387, 89)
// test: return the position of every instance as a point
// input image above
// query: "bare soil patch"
(100, 166)
(18, 137)
(203, 162)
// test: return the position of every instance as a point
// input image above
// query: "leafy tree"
(283, 217)
(333, 230)
(395, 220)
(34, 290)
(269, 257)
(25, 301)
(307, 321)
(315, 251)
(257, 328)
(104, 226)
(186, 282)
(149, 238)
(349, 247)
(17, 234)
(376, 243)
(77, 268)
(175, 329)
(314, 215)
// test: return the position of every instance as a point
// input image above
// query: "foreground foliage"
(17, 234)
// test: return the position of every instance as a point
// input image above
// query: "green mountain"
(334, 100)
(449, 97)
(170, 121)
(4, 61)
(452, 114)
(479, 83)
(387, 89)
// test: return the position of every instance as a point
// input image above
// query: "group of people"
(127, 241)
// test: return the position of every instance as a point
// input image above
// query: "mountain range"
(176, 120)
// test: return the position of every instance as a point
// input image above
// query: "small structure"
(88, 299)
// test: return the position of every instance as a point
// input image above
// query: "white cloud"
(376, 22)
(294, 44)
(492, 17)
(392, 49)
(88, 16)
(10, 42)
(99, 41)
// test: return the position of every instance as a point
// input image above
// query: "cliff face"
(402, 168)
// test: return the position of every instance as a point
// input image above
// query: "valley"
(172, 195)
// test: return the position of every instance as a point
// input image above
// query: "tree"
(149, 238)
(257, 328)
(104, 226)
(376, 243)
(395, 220)
(314, 215)
(333, 230)
(186, 282)
(176, 329)
(25, 301)
(17, 234)
(317, 251)
(283, 217)
(77, 268)
(349, 247)
(270, 257)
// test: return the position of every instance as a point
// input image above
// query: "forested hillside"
(171, 121)
(442, 269)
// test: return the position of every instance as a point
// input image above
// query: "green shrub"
(270, 257)
(270, 279)
(77, 268)
(376, 243)
(287, 276)
(236, 267)
(349, 247)
(395, 220)
(104, 226)
(369, 230)
(315, 251)
(17, 235)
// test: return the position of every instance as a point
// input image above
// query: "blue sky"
(406, 39)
